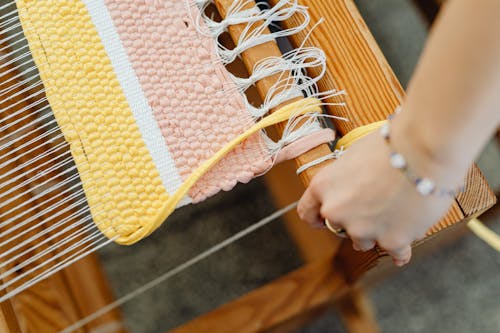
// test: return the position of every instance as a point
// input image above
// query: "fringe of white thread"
(253, 34)
(293, 66)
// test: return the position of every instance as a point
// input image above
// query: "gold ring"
(340, 232)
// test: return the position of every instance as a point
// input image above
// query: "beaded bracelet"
(424, 186)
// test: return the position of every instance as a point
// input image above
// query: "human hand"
(375, 203)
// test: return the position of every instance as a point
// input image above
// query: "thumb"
(309, 208)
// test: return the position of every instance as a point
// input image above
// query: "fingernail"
(399, 263)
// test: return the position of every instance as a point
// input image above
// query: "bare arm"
(452, 108)
(453, 100)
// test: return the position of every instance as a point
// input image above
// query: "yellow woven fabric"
(120, 180)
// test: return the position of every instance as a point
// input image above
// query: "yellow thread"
(347, 140)
(484, 233)
(303, 106)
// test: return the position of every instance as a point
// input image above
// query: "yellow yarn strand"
(301, 107)
(485, 233)
(359, 132)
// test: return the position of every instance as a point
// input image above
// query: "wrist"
(428, 156)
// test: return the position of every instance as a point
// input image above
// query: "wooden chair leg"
(356, 311)
(8, 319)
(91, 291)
(280, 306)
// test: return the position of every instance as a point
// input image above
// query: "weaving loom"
(116, 113)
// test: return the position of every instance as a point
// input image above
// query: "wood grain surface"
(478, 196)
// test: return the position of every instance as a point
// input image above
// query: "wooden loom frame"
(357, 65)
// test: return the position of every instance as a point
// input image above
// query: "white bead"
(385, 130)
(425, 186)
(398, 161)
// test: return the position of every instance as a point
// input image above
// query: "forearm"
(453, 101)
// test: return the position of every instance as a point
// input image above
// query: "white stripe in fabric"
(135, 96)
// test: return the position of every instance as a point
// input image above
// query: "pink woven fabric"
(193, 99)
(305, 144)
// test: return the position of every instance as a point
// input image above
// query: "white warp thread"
(333, 156)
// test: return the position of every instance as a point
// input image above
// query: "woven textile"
(139, 97)
(193, 100)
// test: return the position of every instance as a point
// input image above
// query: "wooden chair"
(332, 268)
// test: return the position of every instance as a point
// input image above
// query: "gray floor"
(454, 290)
(249, 263)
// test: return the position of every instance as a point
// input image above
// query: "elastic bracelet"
(424, 186)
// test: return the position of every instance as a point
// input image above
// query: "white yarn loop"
(333, 156)
(253, 35)
(293, 132)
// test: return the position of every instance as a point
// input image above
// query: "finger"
(361, 244)
(401, 256)
(309, 209)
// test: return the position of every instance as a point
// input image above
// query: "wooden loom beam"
(324, 244)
